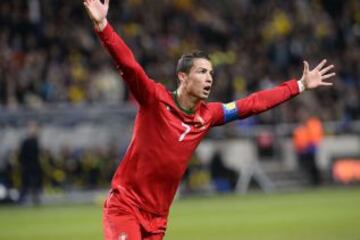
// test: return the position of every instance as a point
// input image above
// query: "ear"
(181, 77)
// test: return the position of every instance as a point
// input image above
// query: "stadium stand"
(53, 70)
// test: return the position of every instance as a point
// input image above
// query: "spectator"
(31, 172)
(307, 138)
(223, 177)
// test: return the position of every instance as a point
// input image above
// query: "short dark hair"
(187, 60)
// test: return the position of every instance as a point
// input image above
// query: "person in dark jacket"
(31, 172)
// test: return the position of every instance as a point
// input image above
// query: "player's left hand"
(314, 78)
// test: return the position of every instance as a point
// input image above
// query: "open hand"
(97, 11)
(314, 78)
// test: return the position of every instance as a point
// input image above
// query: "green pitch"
(327, 214)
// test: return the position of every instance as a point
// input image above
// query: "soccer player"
(168, 127)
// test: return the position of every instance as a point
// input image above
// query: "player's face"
(200, 78)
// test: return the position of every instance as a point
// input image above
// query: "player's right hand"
(97, 12)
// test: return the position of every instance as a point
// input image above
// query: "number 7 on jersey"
(187, 130)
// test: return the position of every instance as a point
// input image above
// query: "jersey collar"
(186, 111)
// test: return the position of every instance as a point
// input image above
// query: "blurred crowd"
(50, 53)
(68, 169)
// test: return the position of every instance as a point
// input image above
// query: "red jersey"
(165, 137)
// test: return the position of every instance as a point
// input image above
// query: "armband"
(230, 112)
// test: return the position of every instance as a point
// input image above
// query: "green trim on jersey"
(189, 112)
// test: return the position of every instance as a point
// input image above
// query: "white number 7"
(187, 130)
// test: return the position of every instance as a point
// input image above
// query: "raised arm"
(267, 99)
(133, 74)
(264, 100)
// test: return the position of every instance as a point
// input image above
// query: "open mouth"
(207, 89)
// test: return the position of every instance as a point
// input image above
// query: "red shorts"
(123, 221)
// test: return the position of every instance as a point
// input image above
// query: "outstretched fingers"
(321, 64)
(87, 2)
(328, 76)
(326, 84)
(87, 5)
(315, 77)
(325, 70)
(306, 67)
(325, 73)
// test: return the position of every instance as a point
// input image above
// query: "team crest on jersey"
(230, 111)
(123, 236)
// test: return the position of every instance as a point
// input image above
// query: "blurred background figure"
(307, 138)
(31, 172)
(197, 177)
(223, 177)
